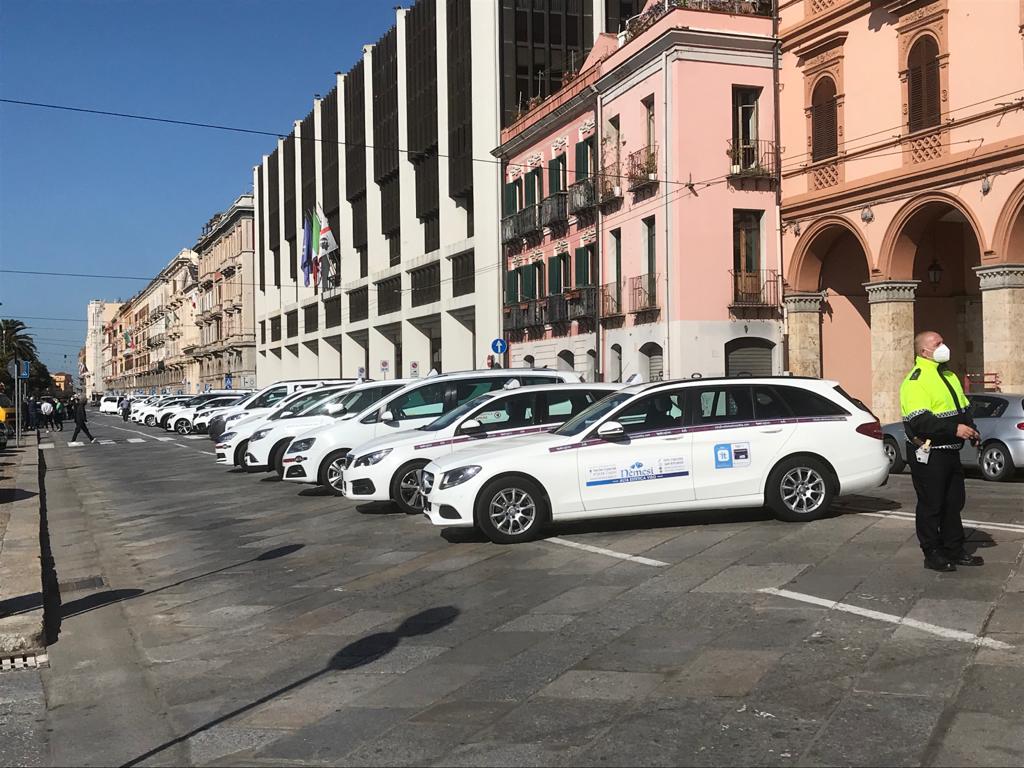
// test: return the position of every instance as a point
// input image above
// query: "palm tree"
(15, 342)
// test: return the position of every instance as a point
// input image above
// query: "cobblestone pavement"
(213, 617)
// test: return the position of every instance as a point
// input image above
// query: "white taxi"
(318, 456)
(791, 443)
(232, 445)
(265, 452)
(389, 467)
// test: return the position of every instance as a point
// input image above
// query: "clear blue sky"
(82, 193)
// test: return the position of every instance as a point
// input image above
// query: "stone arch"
(814, 244)
(566, 360)
(1008, 237)
(899, 246)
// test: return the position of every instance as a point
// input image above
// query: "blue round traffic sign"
(499, 346)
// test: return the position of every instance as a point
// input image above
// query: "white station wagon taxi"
(789, 443)
(389, 467)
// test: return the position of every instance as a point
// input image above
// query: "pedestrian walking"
(80, 421)
(58, 415)
(937, 420)
(126, 408)
(46, 411)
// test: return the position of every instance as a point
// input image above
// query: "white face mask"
(941, 354)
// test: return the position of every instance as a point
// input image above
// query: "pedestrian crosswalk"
(109, 441)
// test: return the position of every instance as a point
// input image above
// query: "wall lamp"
(934, 272)
(867, 215)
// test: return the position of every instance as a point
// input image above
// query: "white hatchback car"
(181, 419)
(265, 452)
(791, 443)
(108, 404)
(318, 456)
(389, 467)
(232, 445)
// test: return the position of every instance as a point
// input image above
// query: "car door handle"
(772, 430)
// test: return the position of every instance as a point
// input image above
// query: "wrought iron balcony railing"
(643, 293)
(611, 300)
(642, 167)
(554, 211)
(754, 159)
(757, 288)
(582, 196)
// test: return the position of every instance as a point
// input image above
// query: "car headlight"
(301, 445)
(372, 458)
(259, 435)
(234, 418)
(227, 436)
(458, 476)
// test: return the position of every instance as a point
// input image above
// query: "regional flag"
(327, 242)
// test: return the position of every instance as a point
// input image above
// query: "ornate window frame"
(918, 18)
(824, 58)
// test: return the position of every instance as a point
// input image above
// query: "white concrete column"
(459, 352)
(382, 349)
(353, 356)
(377, 244)
(415, 349)
(412, 230)
(451, 218)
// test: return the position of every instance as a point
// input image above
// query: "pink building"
(903, 188)
(641, 229)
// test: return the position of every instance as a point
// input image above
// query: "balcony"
(642, 168)
(531, 313)
(191, 348)
(759, 288)
(644, 21)
(751, 159)
(643, 293)
(216, 310)
(508, 229)
(520, 224)
(582, 196)
(611, 183)
(575, 304)
(554, 211)
(611, 300)
(157, 340)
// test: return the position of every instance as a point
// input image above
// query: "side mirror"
(286, 414)
(610, 430)
(471, 427)
(334, 409)
(387, 416)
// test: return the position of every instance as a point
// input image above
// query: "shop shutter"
(656, 366)
(748, 357)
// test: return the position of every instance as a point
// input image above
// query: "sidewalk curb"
(21, 563)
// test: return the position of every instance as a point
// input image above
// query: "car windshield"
(297, 403)
(452, 416)
(351, 402)
(597, 411)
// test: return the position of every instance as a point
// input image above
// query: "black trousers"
(81, 428)
(940, 498)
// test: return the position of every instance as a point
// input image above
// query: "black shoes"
(937, 561)
(966, 558)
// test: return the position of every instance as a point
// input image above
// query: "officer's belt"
(950, 447)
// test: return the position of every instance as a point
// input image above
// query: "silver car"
(1000, 420)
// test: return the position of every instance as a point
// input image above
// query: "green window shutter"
(511, 286)
(538, 271)
(554, 175)
(538, 181)
(511, 201)
(555, 275)
(582, 267)
(527, 276)
(582, 160)
(531, 190)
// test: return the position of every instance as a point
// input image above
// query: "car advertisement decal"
(637, 471)
(729, 455)
(701, 428)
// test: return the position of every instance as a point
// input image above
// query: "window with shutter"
(529, 285)
(555, 275)
(538, 272)
(512, 286)
(556, 174)
(582, 160)
(924, 109)
(511, 198)
(824, 121)
(582, 267)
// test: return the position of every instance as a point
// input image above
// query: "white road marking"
(106, 442)
(209, 453)
(44, 446)
(133, 431)
(909, 517)
(135, 440)
(195, 437)
(164, 439)
(609, 552)
(75, 444)
(924, 626)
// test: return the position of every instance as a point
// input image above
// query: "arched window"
(615, 367)
(652, 363)
(824, 120)
(528, 361)
(566, 360)
(591, 365)
(924, 109)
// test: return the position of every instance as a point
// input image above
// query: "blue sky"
(90, 194)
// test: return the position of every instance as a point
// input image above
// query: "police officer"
(937, 422)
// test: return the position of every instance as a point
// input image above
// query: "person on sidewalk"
(937, 420)
(46, 410)
(80, 420)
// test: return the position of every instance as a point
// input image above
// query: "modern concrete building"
(98, 314)
(903, 189)
(398, 155)
(226, 353)
(641, 225)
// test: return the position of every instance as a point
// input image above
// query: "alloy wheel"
(993, 461)
(802, 490)
(890, 452)
(512, 511)
(335, 470)
(409, 490)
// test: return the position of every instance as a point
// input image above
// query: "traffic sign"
(228, 381)
(384, 364)
(361, 372)
(23, 369)
(499, 346)
(414, 369)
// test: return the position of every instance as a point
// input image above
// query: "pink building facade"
(902, 170)
(641, 228)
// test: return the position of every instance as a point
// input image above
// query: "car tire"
(800, 489)
(151, 421)
(400, 489)
(995, 462)
(326, 476)
(275, 462)
(502, 505)
(895, 456)
(239, 457)
(182, 427)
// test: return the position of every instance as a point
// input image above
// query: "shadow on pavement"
(379, 508)
(357, 654)
(8, 495)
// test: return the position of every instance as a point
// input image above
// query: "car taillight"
(1021, 426)
(871, 429)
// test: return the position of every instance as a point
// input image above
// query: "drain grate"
(27, 661)
(87, 582)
